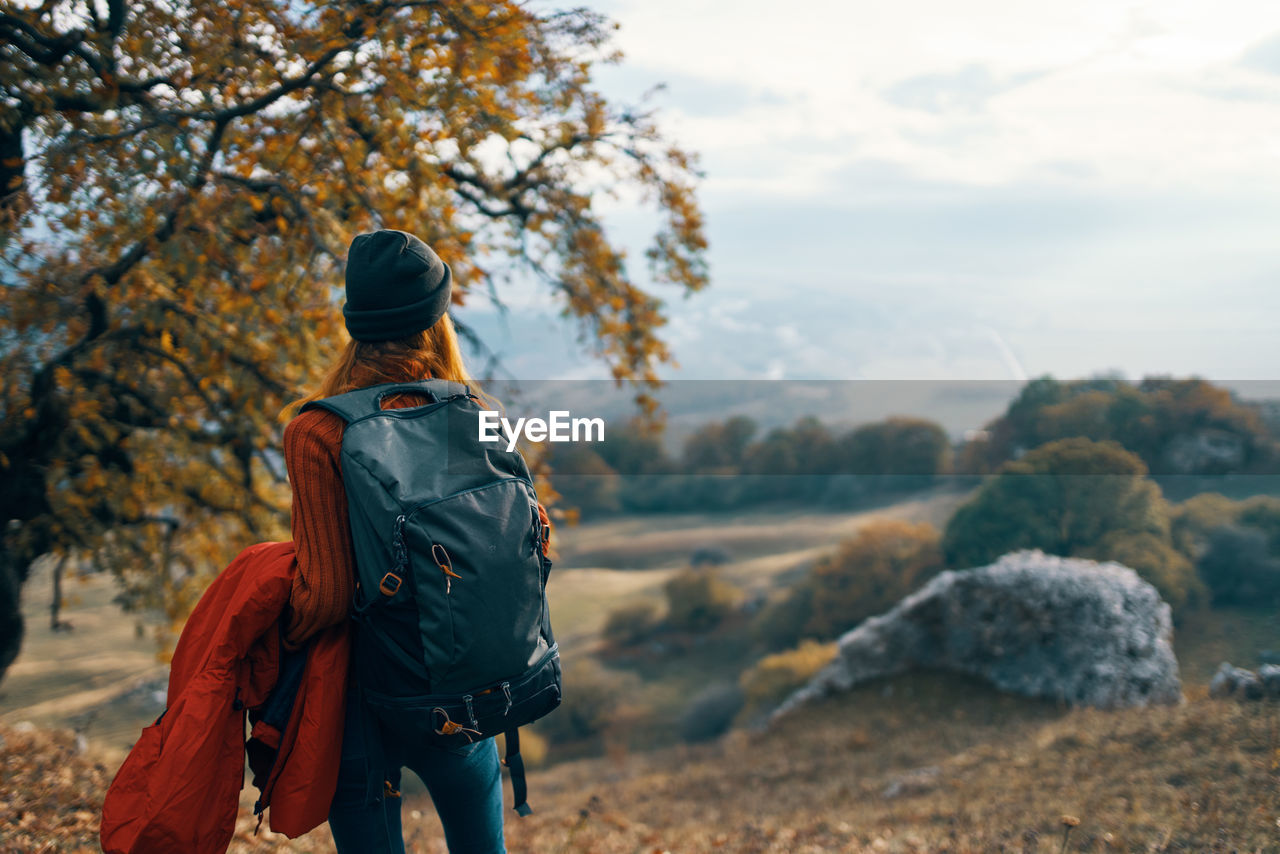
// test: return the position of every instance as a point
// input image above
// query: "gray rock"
(1241, 684)
(1074, 630)
(1232, 681)
(1269, 674)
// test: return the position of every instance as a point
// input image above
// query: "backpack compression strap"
(515, 764)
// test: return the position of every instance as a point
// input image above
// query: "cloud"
(986, 92)
(981, 190)
(967, 89)
(1263, 56)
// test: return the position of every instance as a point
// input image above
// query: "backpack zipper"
(442, 559)
(399, 551)
(537, 531)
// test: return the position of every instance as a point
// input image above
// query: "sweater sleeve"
(325, 580)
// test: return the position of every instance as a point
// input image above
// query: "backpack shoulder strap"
(363, 402)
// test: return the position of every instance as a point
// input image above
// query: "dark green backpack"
(452, 637)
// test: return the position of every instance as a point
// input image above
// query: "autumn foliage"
(180, 184)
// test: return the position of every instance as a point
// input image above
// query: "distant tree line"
(1171, 426)
(722, 465)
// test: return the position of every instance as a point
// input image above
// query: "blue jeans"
(465, 784)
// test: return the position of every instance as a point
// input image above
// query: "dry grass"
(667, 540)
(1205, 639)
(926, 763)
(76, 678)
(940, 765)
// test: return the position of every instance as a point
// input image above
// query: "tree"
(718, 447)
(896, 446)
(1074, 497)
(180, 182)
(584, 482)
(1179, 426)
(804, 448)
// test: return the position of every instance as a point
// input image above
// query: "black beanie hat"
(396, 286)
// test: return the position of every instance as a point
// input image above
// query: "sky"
(957, 189)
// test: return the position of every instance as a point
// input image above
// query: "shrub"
(1191, 521)
(776, 676)
(1238, 567)
(1157, 561)
(1081, 498)
(698, 600)
(593, 696)
(1263, 512)
(1063, 497)
(710, 714)
(631, 623)
(781, 623)
(869, 573)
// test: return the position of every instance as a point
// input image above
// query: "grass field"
(88, 678)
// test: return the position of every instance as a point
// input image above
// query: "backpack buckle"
(390, 584)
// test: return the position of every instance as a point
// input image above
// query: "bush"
(1080, 498)
(1263, 512)
(782, 622)
(869, 573)
(1239, 569)
(593, 696)
(773, 678)
(1191, 521)
(710, 714)
(631, 623)
(1153, 558)
(699, 599)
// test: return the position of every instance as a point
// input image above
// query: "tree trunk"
(11, 625)
(55, 604)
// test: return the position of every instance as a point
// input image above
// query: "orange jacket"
(179, 788)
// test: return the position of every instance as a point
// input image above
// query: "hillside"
(927, 763)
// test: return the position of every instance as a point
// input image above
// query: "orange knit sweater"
(325, 580)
